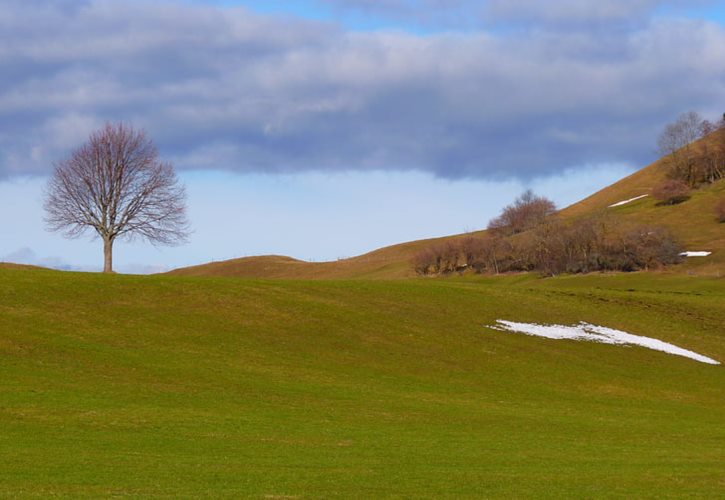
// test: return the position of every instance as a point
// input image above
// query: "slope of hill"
(388, 262)
(10, 265)
(184, 387)
(693, 223)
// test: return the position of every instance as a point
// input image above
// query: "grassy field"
(181, 387)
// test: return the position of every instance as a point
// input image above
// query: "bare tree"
(675, 143)
(115, 185)
(712, 151)
(526, 212)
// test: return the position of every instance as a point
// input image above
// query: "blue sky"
(326, 128)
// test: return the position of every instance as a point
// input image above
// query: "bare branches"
(594, 243)
(115, 185)
(526, 212)
(688, 163)
(671, 192)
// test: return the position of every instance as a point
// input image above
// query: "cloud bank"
(224, 88)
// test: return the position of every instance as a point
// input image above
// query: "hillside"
(10, 265)
(388, 262)
(184, 387)
(692, 222)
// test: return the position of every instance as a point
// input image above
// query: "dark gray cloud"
(228, 89)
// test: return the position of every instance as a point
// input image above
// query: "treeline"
(547, 244)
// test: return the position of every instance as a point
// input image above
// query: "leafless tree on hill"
(675, 143)
(526, 212)
(694, 164)
(713, 151)
(115, 185)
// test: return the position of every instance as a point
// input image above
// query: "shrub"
(650, 247)
(590, 244)
(671, 192)
(426, 261)
(443, 257)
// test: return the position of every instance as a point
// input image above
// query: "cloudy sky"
(325, 128)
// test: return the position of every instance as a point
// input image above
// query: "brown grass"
(385, 263)
(691, 222)
(10, 265)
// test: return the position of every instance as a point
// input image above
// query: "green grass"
(187, 387)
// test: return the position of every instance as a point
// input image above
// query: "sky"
(323, 129)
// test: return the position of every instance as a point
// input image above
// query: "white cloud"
(223, 88)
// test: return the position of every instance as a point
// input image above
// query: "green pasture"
(197, 387)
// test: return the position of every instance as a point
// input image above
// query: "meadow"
(177, 386)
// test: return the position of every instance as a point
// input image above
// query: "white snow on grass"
(624, 202)
(586, 331)
(695, 254)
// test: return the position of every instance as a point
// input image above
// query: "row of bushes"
(553, 247)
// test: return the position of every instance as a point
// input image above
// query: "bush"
(648, 247)
(590, 244)
(426, 261)
(443, 257)
(671, 192)
(720, 210)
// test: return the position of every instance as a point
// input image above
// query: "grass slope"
(388, 262)
(693, 223)
(10, 265)
(186, 387)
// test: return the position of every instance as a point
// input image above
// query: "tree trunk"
(107, 255)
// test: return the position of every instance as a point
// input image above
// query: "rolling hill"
(10, 265)
(183, 387)
(692, 222)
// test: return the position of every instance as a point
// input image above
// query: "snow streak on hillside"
(586, 331)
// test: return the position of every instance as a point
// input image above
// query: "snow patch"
(588, 332)
(624, 202)
(695, 254)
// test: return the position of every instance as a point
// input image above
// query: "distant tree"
(675, 144)
(720, 210)
(484, 253)
(115, 185)
(548, 247)
(671, 192)
(711, 158)
(707, 127)
(525, 213)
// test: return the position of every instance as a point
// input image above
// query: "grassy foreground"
(180, 387)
